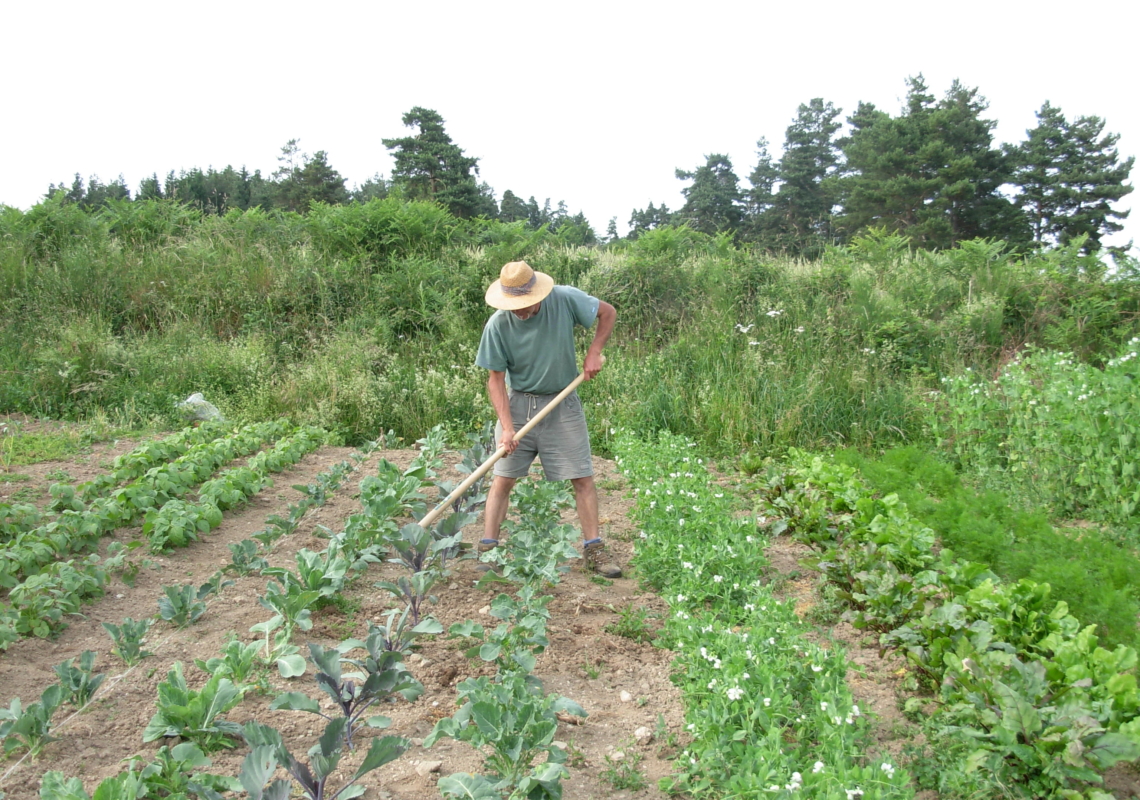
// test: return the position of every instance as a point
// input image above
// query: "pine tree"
(713, 201)
(430, 166)
(1069, 174)
(930, 173)
(797, 218)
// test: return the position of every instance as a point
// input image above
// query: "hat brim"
(496, 298)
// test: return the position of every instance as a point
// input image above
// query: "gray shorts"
(560, 440)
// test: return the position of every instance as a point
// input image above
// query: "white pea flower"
(735, 693)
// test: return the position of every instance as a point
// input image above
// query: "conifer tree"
(713, 203)
(429, 166)
(1069, 175)
(931, 172)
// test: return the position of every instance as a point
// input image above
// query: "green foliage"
(1068, 176)
(632, 623)
(379, 676)
(79, 681)
(29, 727)
(267, 751)
(239, 663)
(1056, 431)
(712, 203)
(1046, 707)
(183, 605)
(623, 771)
(428, 166)
(174, 773)
(516, 722)
(128, 639)
(195, 715)
(768, 710)
(930, 173)
(1093, 577)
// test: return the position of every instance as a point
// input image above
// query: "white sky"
(594, 103)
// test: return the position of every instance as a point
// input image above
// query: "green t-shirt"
(538, 353)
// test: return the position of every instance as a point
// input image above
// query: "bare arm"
(497, 390)
(607, 316)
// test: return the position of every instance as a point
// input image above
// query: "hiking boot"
(597, 559)
(485, 546)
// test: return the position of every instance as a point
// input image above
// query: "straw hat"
(518, 286)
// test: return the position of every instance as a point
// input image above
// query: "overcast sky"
(594, 103)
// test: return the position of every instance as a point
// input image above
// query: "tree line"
(932, 172)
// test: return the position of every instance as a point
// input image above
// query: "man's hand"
(593, 364)
(607, 316)
(508, 440)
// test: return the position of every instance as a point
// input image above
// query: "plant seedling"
(182, 605)
(268, 750)
(195, 715)
(30, 727)
(128, 639)
(78, 682)
(382, 675)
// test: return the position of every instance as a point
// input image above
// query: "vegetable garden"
(178, 626)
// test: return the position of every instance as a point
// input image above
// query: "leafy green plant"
(398, 635)
(128, 639)
(195, 715)
(268, 751)
(516, 723)
(514, 645)
(182, 605)
(379, 676)
(178, 523)
(174, 773)
(29, 727)
(239, 662)
(79, 682)
(245, 558)
(55, 786)
(291, 604)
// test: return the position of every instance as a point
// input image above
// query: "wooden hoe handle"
(433, 515)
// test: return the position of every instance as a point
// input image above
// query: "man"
(529, 342)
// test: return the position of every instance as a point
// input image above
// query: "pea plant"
(769, 711)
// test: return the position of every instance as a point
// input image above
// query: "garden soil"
(635, 723)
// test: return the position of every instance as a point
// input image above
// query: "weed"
(59, 476)
(632, 623)
(17, 477)
(595, 669)
(623, 769)
(666, 739)
(574, 756)
(598, 579)
(26, 494)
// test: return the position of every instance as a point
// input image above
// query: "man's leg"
(586, 500)
(593, 550)
(499, 500)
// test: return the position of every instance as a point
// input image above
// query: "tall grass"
(366, 317)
